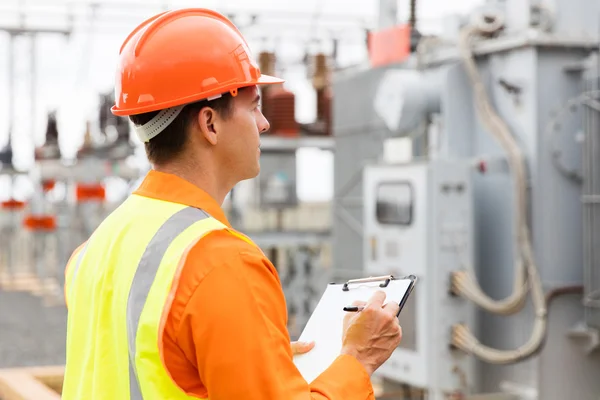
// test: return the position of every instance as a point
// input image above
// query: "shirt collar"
(171, 188)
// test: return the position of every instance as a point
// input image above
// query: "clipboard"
(325, 325)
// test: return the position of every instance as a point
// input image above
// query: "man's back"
(105, 280)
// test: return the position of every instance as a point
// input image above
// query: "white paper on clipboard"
(326, 322)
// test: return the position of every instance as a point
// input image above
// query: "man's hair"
(170, 143)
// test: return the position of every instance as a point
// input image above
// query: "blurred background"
(453, 140)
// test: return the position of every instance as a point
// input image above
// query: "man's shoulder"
(225, 242)
(223, 249)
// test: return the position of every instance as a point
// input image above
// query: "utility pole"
(11, 86)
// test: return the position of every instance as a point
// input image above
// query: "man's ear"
(208, 123)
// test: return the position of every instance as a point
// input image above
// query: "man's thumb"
(302, 347)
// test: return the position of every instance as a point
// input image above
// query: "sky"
(70, 72)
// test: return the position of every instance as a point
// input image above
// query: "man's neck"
(199, 175)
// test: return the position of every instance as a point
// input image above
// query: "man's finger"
(302, 347)
(392, 308)
(359, 303)
(377, 299)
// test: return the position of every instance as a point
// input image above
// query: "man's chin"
(251, 174)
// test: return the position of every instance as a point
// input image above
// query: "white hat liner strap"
(157, 124)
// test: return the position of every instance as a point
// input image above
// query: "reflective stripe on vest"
(126, 280)
(145, 275)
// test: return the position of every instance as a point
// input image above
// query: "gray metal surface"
(405, 98)
(361, 124)
(591, 202)
(544, 87)
(513, 42)
(576, 18)
(564, 369)
(432, 238)
(359, 136)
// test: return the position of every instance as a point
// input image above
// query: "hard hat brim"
(268, 79)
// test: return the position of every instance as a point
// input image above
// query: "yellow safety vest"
(117, 288)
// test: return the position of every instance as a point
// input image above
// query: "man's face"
(239, 142)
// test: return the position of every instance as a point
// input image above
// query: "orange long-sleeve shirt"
(225, 336)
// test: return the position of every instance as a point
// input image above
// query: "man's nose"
(263, 124)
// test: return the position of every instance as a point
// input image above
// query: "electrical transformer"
(418, 220)
(497, 212)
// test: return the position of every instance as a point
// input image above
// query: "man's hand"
(372, 335)
(302, 347)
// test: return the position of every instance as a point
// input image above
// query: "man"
(166, 300)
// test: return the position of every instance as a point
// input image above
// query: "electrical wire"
(526, 273)
(465, 282)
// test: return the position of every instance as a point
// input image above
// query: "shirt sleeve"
(234, 330)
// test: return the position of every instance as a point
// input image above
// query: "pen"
(354, 308)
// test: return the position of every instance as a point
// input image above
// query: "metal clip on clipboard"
(385, 278)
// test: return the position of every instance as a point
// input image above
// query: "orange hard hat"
(180, 57)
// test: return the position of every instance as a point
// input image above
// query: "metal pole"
(413, 14)
(33, 83)
(11, 86)
(11, 228)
